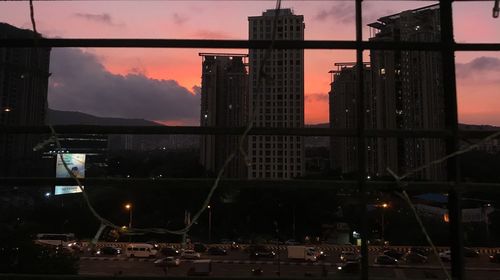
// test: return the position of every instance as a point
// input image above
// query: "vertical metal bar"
(361, 139)
(451, 120)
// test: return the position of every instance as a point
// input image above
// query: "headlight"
(339, 268)
(98, 252)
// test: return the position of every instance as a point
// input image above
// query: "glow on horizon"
(202, 19)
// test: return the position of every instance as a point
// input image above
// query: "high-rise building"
(344, 114)
(403, 90)
(224, 93)
(24, 74)
(276, 96)
(407, 86)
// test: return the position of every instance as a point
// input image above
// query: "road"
(237, 264)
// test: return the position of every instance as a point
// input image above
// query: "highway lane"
(238, 264)
(125, 267)
(478, 262)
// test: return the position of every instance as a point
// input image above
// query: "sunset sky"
(163, 85)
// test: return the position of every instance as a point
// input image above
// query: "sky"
(164, 84)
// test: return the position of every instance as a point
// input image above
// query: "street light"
(383, 206)
(128, 206)
(209, 224)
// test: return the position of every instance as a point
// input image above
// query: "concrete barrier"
(325, 248)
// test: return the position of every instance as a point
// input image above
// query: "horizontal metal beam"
(348, 186)
(197, 130)
(194, 130)
(242, 44)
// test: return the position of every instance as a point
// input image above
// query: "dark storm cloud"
(179, 19)
(478, 66)
(79, 82)
(101, 18)
(318, 97)
(344, 13)
(341, 12)
(209, 34)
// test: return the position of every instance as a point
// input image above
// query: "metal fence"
(451, 134)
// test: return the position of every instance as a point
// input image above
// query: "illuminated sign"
(67, 190)
(76, 165)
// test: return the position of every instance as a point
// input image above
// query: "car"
(275, 241)
(495, 258)
(349, 256)
(292, 242)
(190, 254)
(169, 252)
(386, 260)
(412, 257)
(167, 261)
(233, 244)
(259, 251)
(108, 251)
(216, 251)
(199, 247)
(445, 256)
(420, 250)
(320, 255)
(393, 254)
(349, 267)
(257, 271)
(378, 242)
(155, 244)
(470, 253)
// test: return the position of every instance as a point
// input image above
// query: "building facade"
(276, 96)
(24, 74)
(402, 90)
(344, 115)
(407, 86)
(224, 103)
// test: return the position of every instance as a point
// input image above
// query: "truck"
(303, 253)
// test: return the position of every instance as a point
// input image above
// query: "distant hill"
(477, 126)
(323, 141)
(137, 142)
(56, 117)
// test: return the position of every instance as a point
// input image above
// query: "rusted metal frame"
(360, 135)
(243, 44)
(452, 142)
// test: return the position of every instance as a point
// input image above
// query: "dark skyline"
(476, 89)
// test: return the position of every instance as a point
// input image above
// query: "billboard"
(76, 163)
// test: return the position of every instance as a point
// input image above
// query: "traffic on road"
(292, 260)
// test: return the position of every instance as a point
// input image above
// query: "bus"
(56, 239)
(140, 250)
